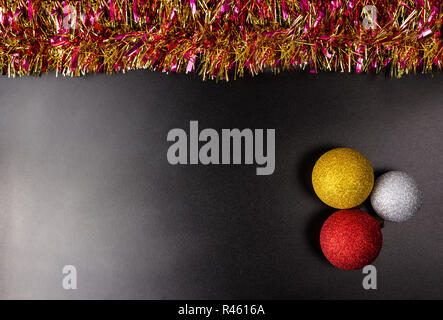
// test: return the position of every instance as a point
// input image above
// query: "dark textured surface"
(84, 180)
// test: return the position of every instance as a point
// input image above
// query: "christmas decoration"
(220, 39)
(396, 196)
(351, 239)
(342, 178)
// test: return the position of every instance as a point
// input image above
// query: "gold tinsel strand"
(219, 39)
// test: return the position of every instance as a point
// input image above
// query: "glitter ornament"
(342, 178)
(396, 196)
(351, 239)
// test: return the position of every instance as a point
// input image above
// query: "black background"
(85, 181)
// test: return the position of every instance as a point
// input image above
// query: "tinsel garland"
(219, 39)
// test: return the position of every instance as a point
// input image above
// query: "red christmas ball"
(351, 239)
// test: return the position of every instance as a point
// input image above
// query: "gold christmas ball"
(342, 178)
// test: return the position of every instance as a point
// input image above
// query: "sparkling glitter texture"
(351, 239)
(342, 178)
(220, 39)
(396, 196)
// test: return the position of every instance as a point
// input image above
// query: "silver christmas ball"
(396, 196)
